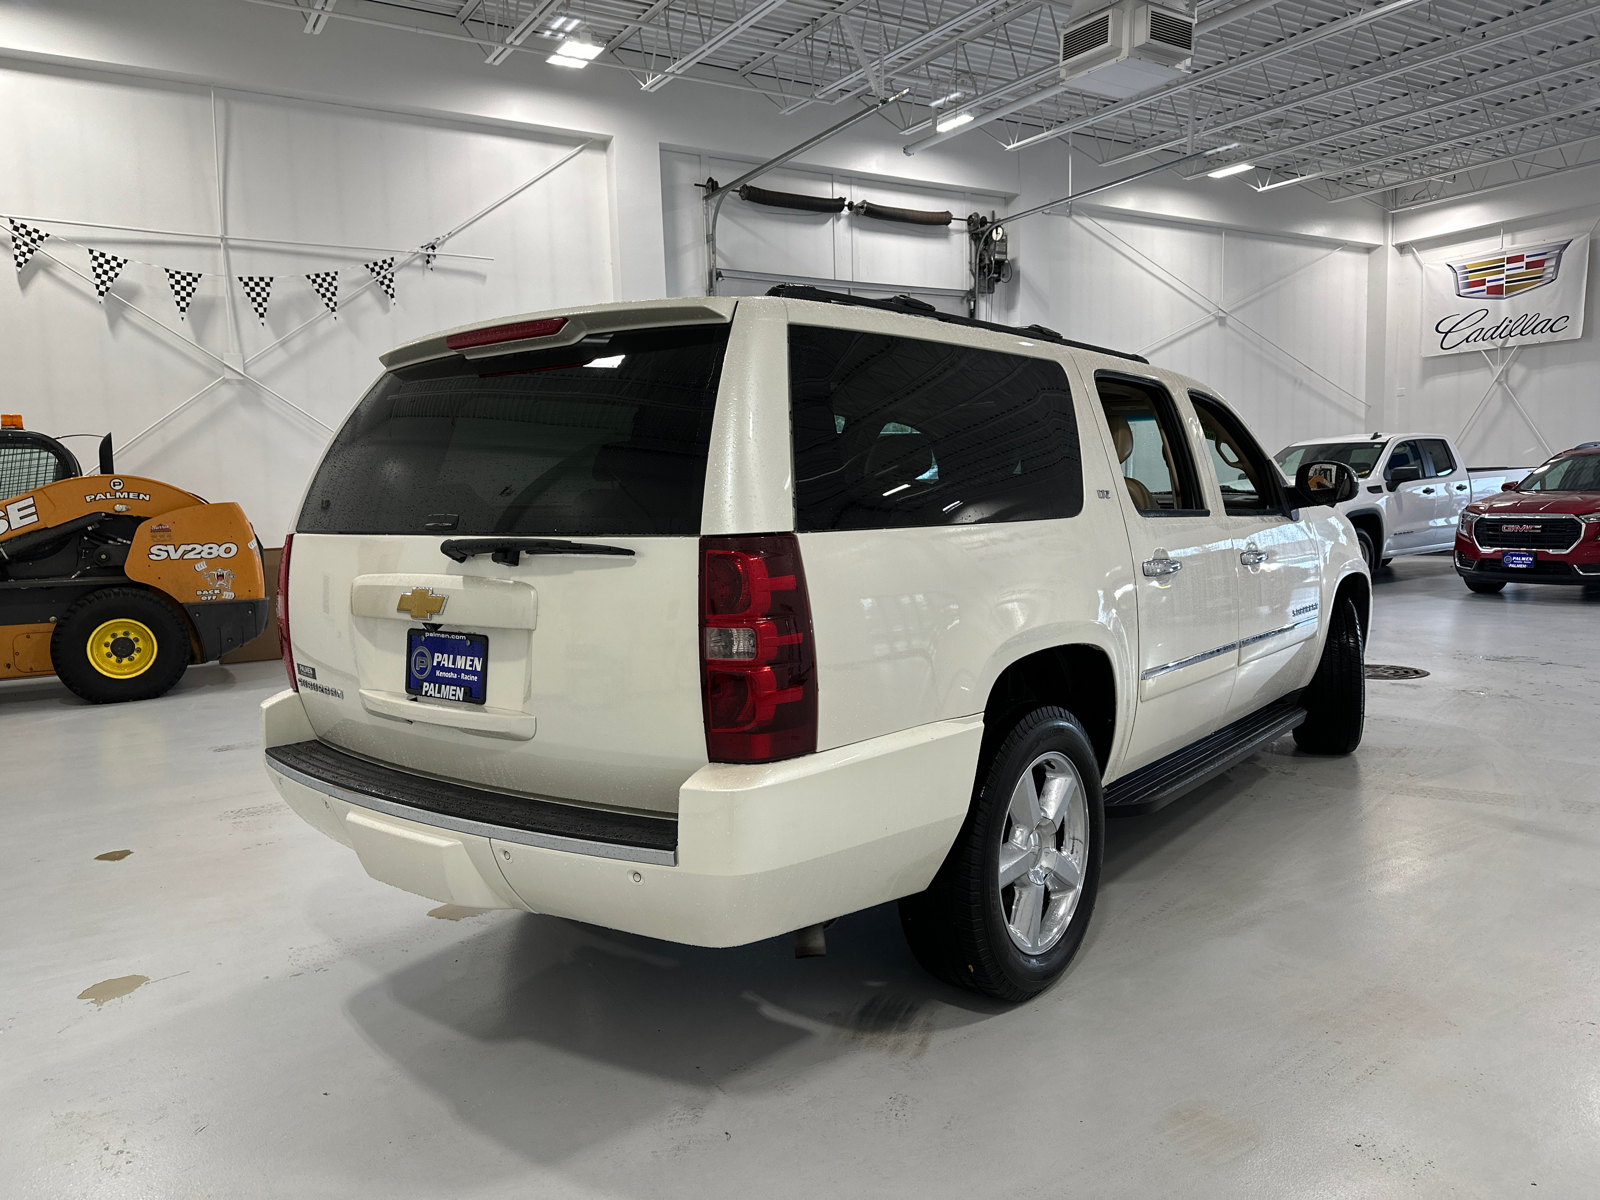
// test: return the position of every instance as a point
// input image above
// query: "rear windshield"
(1360, 457)
(1580, 473)
(605, 437)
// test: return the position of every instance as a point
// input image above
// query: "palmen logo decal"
(1510, 273)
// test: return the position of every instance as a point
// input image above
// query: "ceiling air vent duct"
(1125, 48)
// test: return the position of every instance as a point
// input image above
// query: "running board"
(1163, 781)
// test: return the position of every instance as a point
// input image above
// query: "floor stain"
(111, 989)
(1208, 1135)
(454, 912)
(895, 1024)
(112, 856)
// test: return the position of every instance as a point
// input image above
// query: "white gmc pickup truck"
(1413, 488)
(713, 620)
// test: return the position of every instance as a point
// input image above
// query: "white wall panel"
(116, 150)
(1276, 325)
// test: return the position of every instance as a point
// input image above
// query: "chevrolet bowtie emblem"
(421, 603)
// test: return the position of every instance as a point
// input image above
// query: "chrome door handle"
(1157, 567)
(1254, 558)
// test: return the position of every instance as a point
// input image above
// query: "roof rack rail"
(912, 307)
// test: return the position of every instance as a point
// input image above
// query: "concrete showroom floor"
(1373, 976)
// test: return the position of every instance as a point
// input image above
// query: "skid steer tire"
(120, 644)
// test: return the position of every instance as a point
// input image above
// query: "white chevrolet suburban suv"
(713, 619)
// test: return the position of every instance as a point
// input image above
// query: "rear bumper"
(755, 851)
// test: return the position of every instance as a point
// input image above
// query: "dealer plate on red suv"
(1513, 558)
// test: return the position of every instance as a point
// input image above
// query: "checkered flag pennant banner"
(183, 284)
(383, 272)
(259, 289)
(25, 241)
(105, 268)
(326, 285)
(430, 252)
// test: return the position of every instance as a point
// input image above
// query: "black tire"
(1336, 699)
(1368, 551)
(144, 673)
(957, 928)
(1485, 587)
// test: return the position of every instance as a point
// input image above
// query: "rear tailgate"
(530, 666)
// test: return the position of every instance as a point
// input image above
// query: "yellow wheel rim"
(122, 648)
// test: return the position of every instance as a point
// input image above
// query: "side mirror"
(1395, 476)
(1508, 487)
(1319, 484)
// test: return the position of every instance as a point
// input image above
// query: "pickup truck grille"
(1528, 533)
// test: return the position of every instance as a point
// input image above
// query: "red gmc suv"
(1545, 529)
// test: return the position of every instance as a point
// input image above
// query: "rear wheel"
(1485, 587)
(1011, 904)
(120, 644)
(1336, 700)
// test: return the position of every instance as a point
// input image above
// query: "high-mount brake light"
(284, 648)
(517, 331)
(758, 658)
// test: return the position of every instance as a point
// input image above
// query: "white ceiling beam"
(316, 20)
(519, 33)
(1243, 63)
(1495, 187)
(1452, 46)
(712, 44)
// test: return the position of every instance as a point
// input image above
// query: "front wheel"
(1011, 904)
(1369, 552)
(1336, 699)
(120, 644)
(1486, 587)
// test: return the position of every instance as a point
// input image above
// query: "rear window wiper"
(509, 550)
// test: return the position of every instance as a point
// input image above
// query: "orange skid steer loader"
(112, 582)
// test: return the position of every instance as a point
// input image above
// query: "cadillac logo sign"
(1493, 296)
(1509, 273)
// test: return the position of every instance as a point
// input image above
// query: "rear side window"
(26, 464)
(893, 433)
(608, 436)
(1439, 455)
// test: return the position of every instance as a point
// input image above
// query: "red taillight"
(757, 656)
(283, 612)
(517, 331)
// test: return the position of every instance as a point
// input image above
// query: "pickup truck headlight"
(1467, 520)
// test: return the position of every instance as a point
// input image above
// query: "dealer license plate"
(447, 666)
(1513, 558)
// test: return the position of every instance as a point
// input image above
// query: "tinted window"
(894, 432)
(1579, 473)
(1406, 454)
(1439, 455)
(606, 437)
(1156, 466)
(1360, 457)
(1242, 471)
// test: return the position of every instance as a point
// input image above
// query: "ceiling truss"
(1399, 102)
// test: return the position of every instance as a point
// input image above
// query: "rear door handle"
(1461, 487)
(1254, 558)
(1157, 567)
(1427, 491)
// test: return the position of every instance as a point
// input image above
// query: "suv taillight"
(283, 611)
(758, 660)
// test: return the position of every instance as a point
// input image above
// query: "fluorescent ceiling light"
(614, 361)
(573, 48)
(1238, 168)
(955, 122)
(561, 60)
